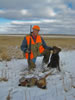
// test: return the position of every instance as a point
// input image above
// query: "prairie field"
(10, 45)
(13, 67)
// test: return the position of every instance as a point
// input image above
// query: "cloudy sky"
(53, 16)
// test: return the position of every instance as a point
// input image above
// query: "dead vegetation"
(4, 56)
(3, 76)
(9, 95)
(64, 43)
(3, 79)
(10, 45)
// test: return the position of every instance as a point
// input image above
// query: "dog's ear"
(56, 49)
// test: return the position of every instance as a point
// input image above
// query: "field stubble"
(10, 45)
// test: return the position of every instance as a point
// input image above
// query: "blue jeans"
(34, 59)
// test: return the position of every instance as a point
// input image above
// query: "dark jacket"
(24, 46)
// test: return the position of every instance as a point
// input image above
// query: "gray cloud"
(15, 14)
(39, 12)
(36, 9)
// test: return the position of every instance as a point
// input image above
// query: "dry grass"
(9, 96)
(10, 45)
(3, 76)
(64, 43)
(3, 79)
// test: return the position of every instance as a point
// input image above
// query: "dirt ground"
(10, 45)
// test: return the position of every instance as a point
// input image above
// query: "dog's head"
(56, 49)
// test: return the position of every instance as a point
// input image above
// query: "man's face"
(35, 32)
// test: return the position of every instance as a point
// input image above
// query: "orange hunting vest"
(33, 43)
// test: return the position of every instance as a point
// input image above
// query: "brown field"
(10, 45)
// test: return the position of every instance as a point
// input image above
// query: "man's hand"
(27, 51)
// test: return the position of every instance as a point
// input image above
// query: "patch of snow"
(60, 85)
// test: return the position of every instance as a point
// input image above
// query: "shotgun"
(29, 48)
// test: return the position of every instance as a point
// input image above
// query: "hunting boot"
(31, 65)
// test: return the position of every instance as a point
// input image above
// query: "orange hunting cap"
(36, 27)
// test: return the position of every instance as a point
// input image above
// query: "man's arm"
(45, 46)
(24, 45)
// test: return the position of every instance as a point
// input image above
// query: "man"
(38, 47)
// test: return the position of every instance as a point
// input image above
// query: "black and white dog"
(54, 60)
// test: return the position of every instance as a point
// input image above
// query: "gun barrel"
(30, 45)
